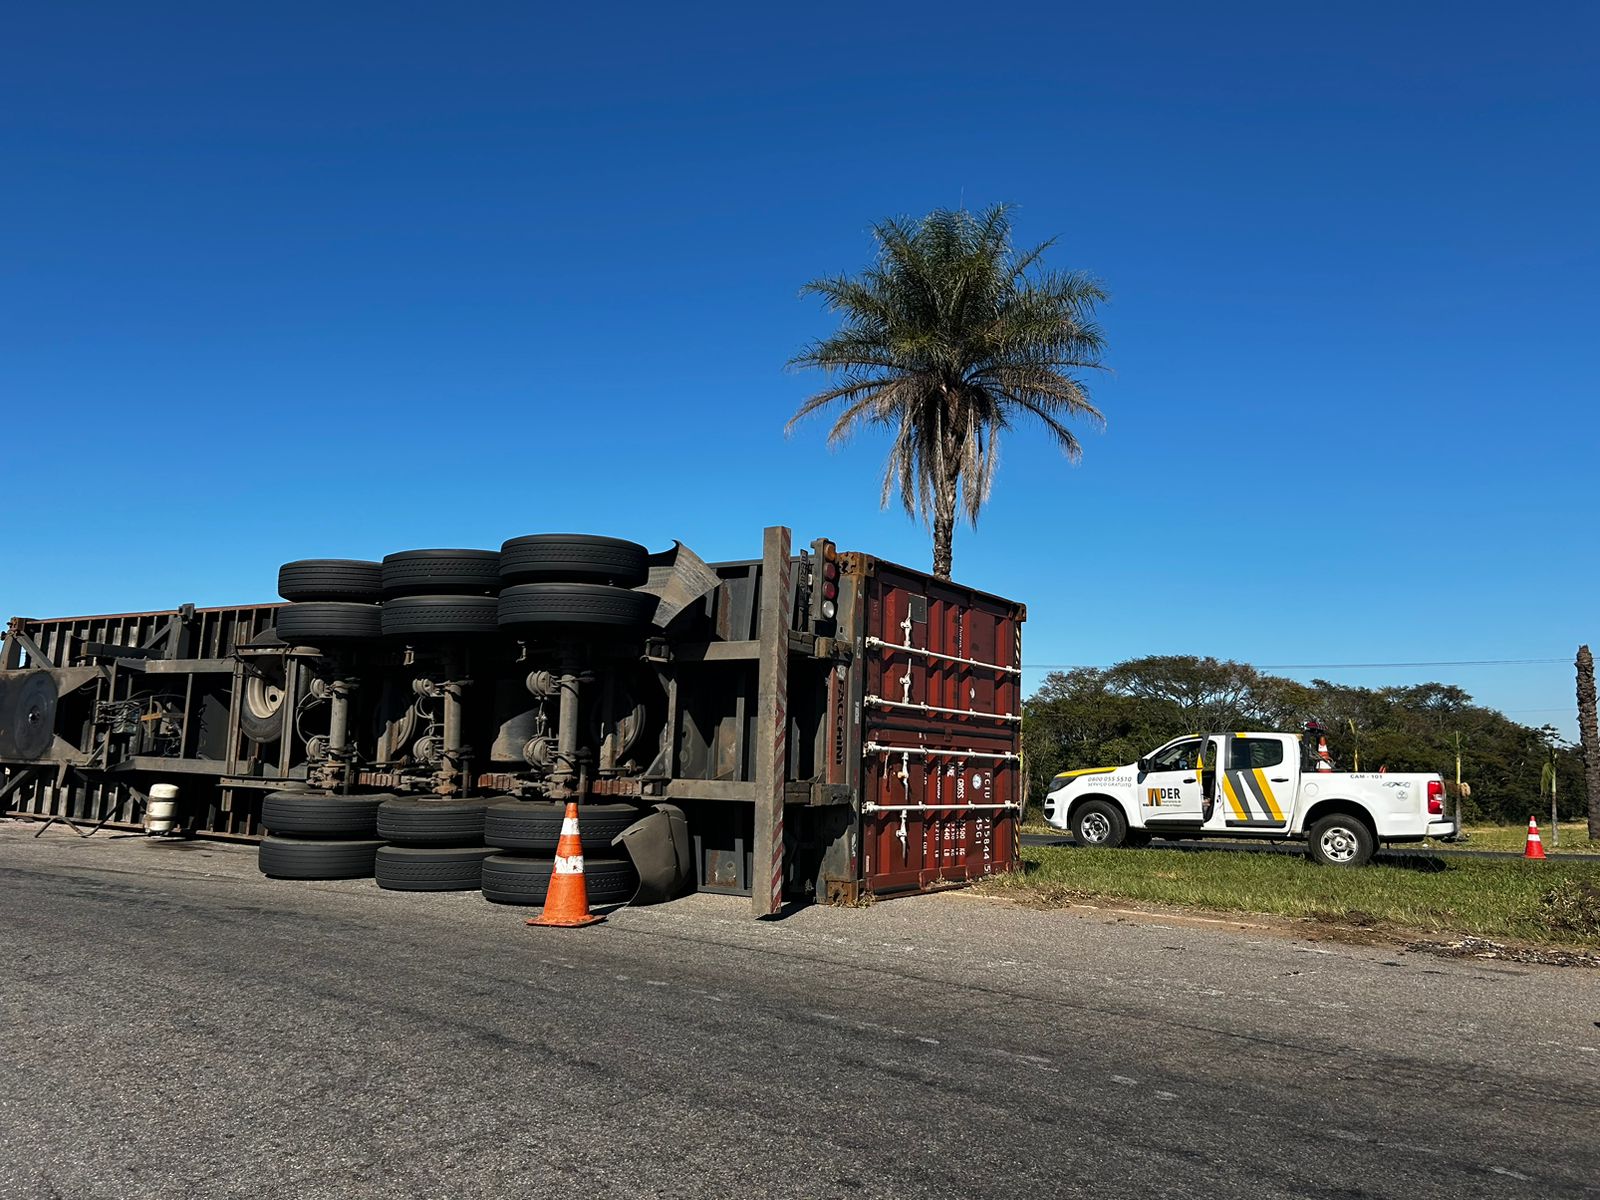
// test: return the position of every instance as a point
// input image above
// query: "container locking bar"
(872, 807)
(971, 662)
(933, 708)
(934, 752)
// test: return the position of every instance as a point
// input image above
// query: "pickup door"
(1171, 787)
(1260, 782)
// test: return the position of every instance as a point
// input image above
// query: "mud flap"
(661, 852)
(678, 578)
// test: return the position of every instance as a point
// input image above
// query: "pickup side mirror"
(1144, 765)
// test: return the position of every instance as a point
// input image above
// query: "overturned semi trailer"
(817, 725)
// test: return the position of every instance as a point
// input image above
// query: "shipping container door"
(941, 732)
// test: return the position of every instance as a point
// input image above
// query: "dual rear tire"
(574, 580)
(316, 836)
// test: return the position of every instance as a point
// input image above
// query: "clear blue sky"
(346, 279)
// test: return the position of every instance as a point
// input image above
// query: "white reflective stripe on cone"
(569, 864)
(569, 825)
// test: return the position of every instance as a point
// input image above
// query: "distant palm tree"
(948, 339)
(1548, 778)
(1589, 738)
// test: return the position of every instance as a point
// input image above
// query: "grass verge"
(1545, 903)
(1574, 838)
(1512, 838)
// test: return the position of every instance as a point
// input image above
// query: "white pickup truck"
(1247, 785)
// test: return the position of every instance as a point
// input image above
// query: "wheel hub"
(1096, 828)
(1339, 845)
(264, 697)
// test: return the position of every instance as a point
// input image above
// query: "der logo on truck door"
(1156, 797)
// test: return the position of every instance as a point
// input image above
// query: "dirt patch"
(1476, 947)
(1355, 917)
(1353, 928)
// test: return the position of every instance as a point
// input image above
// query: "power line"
(1464, 662)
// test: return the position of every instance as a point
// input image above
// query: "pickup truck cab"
(1257, 785)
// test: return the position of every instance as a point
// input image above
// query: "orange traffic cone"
(566, 903)
(1535, 843)
(1324, 763)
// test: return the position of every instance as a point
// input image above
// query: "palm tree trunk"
(944, 510)
(944, 533)
(1589, 738)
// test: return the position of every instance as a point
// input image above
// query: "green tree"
(949, 339)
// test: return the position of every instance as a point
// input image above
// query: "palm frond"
(950, 338)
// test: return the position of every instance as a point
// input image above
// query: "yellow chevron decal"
(1272, 801)
(1233, 797)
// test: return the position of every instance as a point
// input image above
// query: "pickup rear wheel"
(1099, 824)
(1340, 841)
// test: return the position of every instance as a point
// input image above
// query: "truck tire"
(312, 622)
(1340, 841)
(1099, 824)
(536, 824)
(588, 604)
(509, 879)
(330, 579)
(414, 616)
(431, 868)
(319, 815)
(431, 821)
(297, 858)
(441, 573)
(573, 558)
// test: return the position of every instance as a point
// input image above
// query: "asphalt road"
(177, 1026)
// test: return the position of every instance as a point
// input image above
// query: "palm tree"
(1550, 776)
(1547, 787)
(1589, 738)
(948, 339)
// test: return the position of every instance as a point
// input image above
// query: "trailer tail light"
(1435, 798)
(824, 586)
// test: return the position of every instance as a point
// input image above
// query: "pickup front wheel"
(1340, 841)
(1100, 824)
